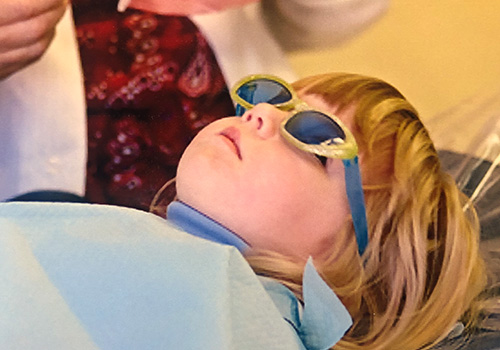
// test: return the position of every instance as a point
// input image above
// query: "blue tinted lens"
(313, 127)
(264, 91)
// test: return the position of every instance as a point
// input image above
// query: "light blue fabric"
(77, 276)
(200, 225)
(325, 319)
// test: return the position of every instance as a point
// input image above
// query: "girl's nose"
(265, 119)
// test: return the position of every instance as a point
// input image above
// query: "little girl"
(281, 179)
(338, 168)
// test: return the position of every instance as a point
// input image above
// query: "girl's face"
(242, 173)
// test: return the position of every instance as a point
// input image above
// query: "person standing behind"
(155, 75)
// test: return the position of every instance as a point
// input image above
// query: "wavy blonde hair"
(422, 271)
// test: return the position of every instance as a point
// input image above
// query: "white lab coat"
(42, 108)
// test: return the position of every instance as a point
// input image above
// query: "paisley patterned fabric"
(151, 83)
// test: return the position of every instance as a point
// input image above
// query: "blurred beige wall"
(437, 52)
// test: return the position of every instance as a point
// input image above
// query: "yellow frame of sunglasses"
(333, 148)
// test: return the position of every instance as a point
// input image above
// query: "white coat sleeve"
(301, 24)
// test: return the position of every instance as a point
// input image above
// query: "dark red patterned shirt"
(151, 82)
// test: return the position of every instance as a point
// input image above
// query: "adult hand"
(27, 27)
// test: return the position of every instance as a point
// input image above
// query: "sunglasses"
(312, 131)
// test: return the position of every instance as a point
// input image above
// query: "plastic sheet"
(468, 139)
(478, 176)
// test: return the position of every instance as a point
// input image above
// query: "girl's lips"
(232, 134)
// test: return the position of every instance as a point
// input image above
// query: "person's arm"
(27, 28)
(319, 23)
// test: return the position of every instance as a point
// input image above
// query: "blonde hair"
(422, 270)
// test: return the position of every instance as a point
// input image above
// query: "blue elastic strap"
(356, 202)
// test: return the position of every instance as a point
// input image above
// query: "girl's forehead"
(317, 101)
